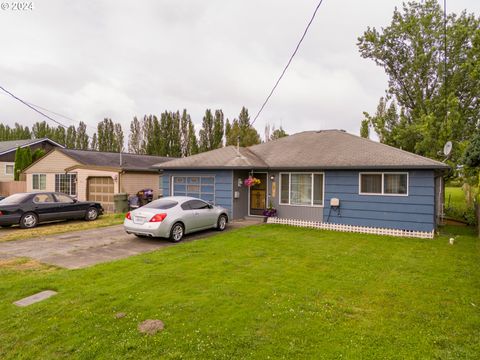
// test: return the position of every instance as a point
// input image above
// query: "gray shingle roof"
(130, 162)
(226, 157)
(12, 145)
(326, 149)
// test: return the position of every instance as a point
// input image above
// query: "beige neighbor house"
(8, 149)
(93, 175)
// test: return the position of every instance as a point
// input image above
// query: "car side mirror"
(210, 206)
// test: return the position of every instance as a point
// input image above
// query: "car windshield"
(161, 204)
(13, 199)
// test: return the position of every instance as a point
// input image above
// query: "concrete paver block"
(29, 300)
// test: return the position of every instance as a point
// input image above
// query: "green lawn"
(455, 197)
(15, 233)
(258, 292)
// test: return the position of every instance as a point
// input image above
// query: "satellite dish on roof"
(447, 149)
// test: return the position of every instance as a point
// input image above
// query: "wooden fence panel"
(11, 187)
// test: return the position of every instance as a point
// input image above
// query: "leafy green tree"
(37, 154)
(109, 136)
(82, 138)
(471, 156)
(19, 132)
(192, 139)
(59, 135)
(19, 163)
(94, 143)
(278, 133)
(434, 93)
(135, 138)
(23, 158)
(365, 129)
(42, 130)
(71, 137)
(218, 130)
(206, 132)
(241, 130)
(119, 137)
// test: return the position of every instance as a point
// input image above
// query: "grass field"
(15, 233)
(257, 292)
(455, 197)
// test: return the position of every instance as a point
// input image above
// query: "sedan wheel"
(176, 234)
(222, 223)
(28, 221)
(92, 214)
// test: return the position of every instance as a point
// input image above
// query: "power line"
(31, 107)
(289, 61)
(52, 112)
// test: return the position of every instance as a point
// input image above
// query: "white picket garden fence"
(351, 228)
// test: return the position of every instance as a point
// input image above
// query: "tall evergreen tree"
(23, 158)
(19, 163)
(82, 138)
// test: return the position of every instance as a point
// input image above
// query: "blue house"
(327, 176)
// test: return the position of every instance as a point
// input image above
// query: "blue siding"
(223, 184)
(413, 212)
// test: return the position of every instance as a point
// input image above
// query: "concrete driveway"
(85, 248)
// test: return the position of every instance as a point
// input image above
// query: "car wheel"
(28, 221)
(177, 232)
(222, 222)
(91, 214)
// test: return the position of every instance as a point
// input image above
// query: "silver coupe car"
(174, 216)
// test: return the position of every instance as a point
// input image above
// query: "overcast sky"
(94, 59)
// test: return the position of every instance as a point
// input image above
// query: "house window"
(39, 181)
(66, 183)
(302, 189)
(9, 169)
(201, 187)
(383, 184)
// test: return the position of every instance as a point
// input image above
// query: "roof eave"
(350, 167)
(33, 143)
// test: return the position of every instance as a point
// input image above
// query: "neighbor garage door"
(101, 189)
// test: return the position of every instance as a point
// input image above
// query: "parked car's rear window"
(161, 204)
(13, 199)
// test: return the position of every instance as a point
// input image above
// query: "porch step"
(259, 219)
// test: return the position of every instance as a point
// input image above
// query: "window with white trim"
(39, 181)
(202, 187)
(66, 183)
(9, 169)
(383, 184)
(301, 189)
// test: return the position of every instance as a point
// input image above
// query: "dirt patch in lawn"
(24, 264)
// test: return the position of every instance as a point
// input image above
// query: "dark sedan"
(30, 209)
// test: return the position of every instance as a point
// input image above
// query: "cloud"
(95, 59)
